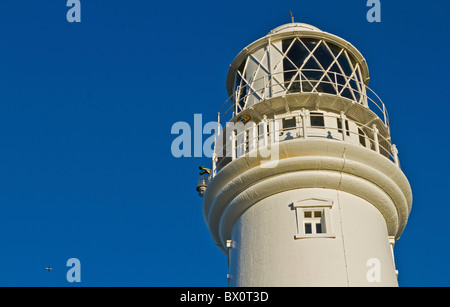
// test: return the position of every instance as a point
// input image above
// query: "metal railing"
(271, 88)
(237, 141)
(242, 142)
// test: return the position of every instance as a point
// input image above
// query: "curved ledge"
(307, 179)
(297, 156)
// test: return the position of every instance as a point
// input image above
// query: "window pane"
(291, 63)
(308, 214)
(347, 94)
(335, 68)
(317, 120)
(339, 123)
(318, 214)
(323, 56)
(308, 228)
(326, 85)
(318, 228)
(312, 65)
(297, 53)
(312, 76)
(362, 139)
(340, 82)
(335, 49)
(311, 43)
(289, 123)
(345, 65)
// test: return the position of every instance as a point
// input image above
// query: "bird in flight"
(48, 269)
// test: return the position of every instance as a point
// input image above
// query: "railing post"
(263, 132)
(274, 133)
(233, 139)
(343, 126)
(240, 146)
(395, 154)
(375, 138)
(336, 83)
(217, 132)
(264, 88)
(253, 137)
(214, 165)
(236, 99)
(304, 116)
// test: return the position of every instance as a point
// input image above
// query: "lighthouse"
(305, 186)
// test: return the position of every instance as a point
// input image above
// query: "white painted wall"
(265, 251)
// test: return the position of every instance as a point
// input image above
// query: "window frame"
(313, 205)
(347, 126)
(313, 124)
(314, 221)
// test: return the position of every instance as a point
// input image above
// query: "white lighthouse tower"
(305, 187)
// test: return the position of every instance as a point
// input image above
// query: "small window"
(318, 228)
(339, 124)
(317, 119)
(308, 228)
(314, 222)
(289, 123)
(362, 137)
(313, 219)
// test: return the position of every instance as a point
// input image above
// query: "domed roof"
(294, 26)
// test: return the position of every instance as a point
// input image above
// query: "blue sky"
(86, 111)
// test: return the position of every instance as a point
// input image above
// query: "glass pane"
(335, 68)
(297, 53)
(289, 67)
(352, 60)
(312, 76)
(308, 214)
(340, 81)
(286, 44)
(345, 65)
(362, 139)
(354, 86)
(293, 60)
(308, 228)
(318, 228)
(317, 120)
(295, 86)
(326, 86)
(289, 123)
(312, 65)
(339, 124)
(307, 87)
(317, 213)
(347, 94)
(310, 43)
(335, 49)
(323, 56)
